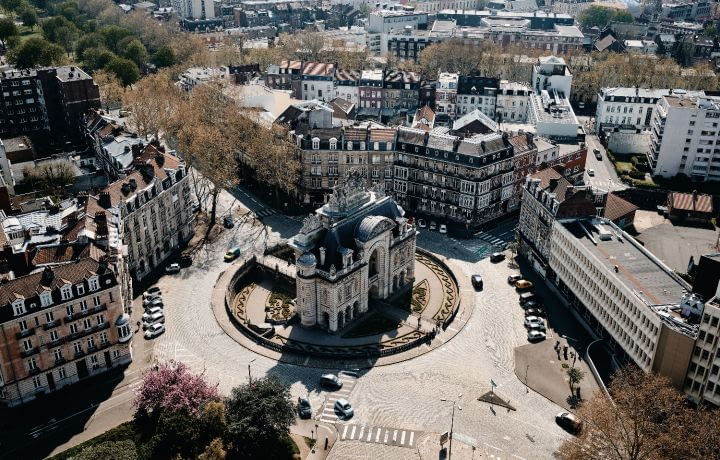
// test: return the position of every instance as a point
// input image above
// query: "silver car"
(343, 407)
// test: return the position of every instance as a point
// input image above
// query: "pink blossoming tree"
(173, 387)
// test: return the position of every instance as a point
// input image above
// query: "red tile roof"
(616, 207)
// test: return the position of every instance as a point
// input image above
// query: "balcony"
(51, 324)
(60, 361)
(34, 371)
(30, 352)
(54, 343)
(79, 354)
(25, 333)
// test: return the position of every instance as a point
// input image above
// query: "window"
(37, 382)
(61, 373)
(54, 336)
(100, 319)
(27, 345)
(23, 326)
(49, 316)
(32, 364)
(91, 342)
(96, 300)
(66, 292)
(103, 338)
(69, 309)
(77, 347)
(333, 143)
(45, 299)
(80, 289)
(93, 283)
(57, 353)
(94, 360)
(87, 324)
(18, 307)
(83, 306)
(315, 143)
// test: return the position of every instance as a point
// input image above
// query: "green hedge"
(123, 432)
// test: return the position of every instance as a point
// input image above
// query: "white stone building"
(446, 93)
(513, 102)
(552, 73)
(154, 205)
(355, 248)
(194, 9)
(684, 137)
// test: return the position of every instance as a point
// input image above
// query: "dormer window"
(45, 299)
(93, 283)
(333, 143)
(315, 143)
(66, 292)
(362, 145)
(80, 288)
(349, 145)
(18, 307)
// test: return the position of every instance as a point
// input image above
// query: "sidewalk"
(307, 428)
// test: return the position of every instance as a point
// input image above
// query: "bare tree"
(52, 177)
(111, 90)
(152, 103)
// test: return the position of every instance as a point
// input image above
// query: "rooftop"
(653, 282)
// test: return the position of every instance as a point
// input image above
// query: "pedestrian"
(326, 442)
(418, 322)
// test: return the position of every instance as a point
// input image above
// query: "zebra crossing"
(328, 409)
(379, 435)
(264, 212)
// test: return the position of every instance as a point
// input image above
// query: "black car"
(535, 312)
(531, 304)
(304, 408)
(185, 261)
(477, 282)
(228, 222)
(497, 257)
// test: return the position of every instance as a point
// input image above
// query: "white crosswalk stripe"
(391, 436)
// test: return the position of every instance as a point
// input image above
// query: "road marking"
(387, 432)
(412, 436)
(377, 436)
(402, 438)
(352, 435)
(345, 431)
(369, 436)
(493, 447)
(362, 431)
(395, 436)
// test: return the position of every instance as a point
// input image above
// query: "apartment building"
(401, 90)
(626, 107)
(152, 203)
(346, 85)
(702, 383)
(513, 102)
(194, 9)
(382, 21)
(317, 81)
(684, 137)
(552, 73)
(371, 88)
(572, 8)
(630, 298)
(446, 93)
(467, 181)
(61, 324)
(476, 92)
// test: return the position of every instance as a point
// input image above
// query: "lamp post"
(250, 376)
(452, 422)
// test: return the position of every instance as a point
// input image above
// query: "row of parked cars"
(153, 319)
(534, 310)
(422, 223)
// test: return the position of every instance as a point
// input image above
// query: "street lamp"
(249, 376)
(452, 422)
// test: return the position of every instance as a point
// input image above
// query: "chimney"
(530, 138)
(104, 200)
(553, 183)
(47, 277)
(322, 256)
(101, 224)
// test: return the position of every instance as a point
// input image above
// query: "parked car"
(195, 206)
(232, 254)
(344, 408)
(185, 260)
(477, 282)
(433, 225)
(153, 291)
(527, 296)
(331, 381)
(535, 335)
(530, 320)
(496, 257)
(304, 408)
(152, 302)
(569, 422)
(530, 303)
(443, 228)
(523, 285)
(536, 327)
(228, 222)
(598, 155)
(512, 279)
(157, 304)
(153, 319)
(422, 223)
(154, 330)
(535, 312)
(591, 172)
(147, 316)
(172, 269)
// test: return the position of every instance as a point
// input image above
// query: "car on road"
(523, 285)
(228, 222)
(433, 225)
(331, 381)
(569, 422)
(497, 257)
(154, 330)
(598, 155)
(185, 260)
(422, 223)
(443, 229)
(531, 304)
(304, 409)
(232, 254)
(150, 312)
(477, 282)
(539, 312)
(172, 269)
(591, 172)
(343, 407)
(512, 279)
(530, 320)
(535, 335)
(528, 296)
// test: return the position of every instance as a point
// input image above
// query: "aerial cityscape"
(354, 229)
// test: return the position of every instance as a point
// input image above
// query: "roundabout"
(254, 304)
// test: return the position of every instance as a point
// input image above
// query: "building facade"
(684, 137)
(356, 248)
(60, 325)
(446, 93)
(476, 92)
(625, 107)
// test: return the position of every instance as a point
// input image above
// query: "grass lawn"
(623, 167)
(26, 33)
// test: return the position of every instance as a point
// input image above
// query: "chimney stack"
(104, 200)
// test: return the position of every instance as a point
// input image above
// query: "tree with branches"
(52, 177)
